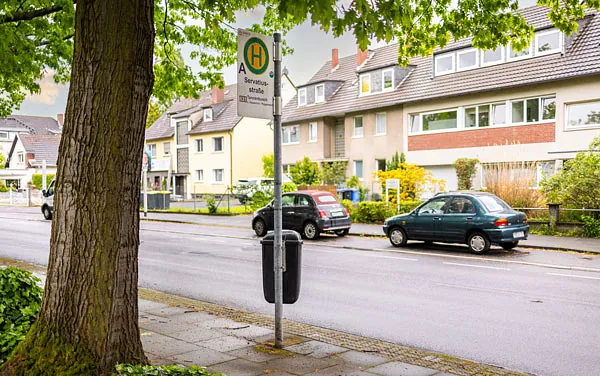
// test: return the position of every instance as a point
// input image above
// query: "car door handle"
(290, 212)
(436, 218)
(468, 218)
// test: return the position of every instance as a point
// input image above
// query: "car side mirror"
(44, 193)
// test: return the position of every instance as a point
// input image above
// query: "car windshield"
(493, 204)
(326, 199)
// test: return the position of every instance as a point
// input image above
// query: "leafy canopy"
(305, 172)
(36, 36)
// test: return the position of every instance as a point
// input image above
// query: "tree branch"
(29, 15)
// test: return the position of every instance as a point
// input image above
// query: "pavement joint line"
(392, 351)
(383, 250)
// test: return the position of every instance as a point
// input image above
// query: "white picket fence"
(21, 198)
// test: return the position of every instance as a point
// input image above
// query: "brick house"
(539, 105)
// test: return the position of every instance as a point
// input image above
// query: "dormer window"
(365, 84)
(515, 55)
(388, 79)
(444, 64)
(208, 114)
(302, 97)
(468, 59)
(493, 56)
(377, 81)
(320, 93)
(548, 42)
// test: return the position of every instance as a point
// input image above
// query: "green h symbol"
(257, 55)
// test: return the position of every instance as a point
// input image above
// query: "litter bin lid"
(288, 236)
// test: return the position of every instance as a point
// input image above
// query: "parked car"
(48, 201)
(245, 188)
(478, 219)
(308, 212)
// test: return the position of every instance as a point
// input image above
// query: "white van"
(48, 201)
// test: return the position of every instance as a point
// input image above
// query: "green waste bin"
(292, 261)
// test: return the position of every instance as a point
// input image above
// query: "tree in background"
(465, 170)
(305, 172)
(2, 161)
(268, 166)
(117, 54)
(334, 173)
(577, 185)
(414, 181)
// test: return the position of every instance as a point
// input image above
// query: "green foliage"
(414, 180)
(211, 203)
(268, 166)
(3, 187)
(164, 184)
(591, 226)
(465, 170)
(305, 172)
(259, 196)
(2, 161)
(20, 298)
(376, 212)
(334, 173)
(353, 182)
(173, 370)
(396, 162)
(36, 180)
(155, 110)
(578, 184)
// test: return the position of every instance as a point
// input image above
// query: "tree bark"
(89, 314)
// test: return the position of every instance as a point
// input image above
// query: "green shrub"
(211, 203)
(465, 170)
(36, 180)
(377, 212)
(3, 187)
(591, 227)
(20, 298)
(139, 370)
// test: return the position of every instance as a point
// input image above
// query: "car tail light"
(347, 212)
(501, 222)
(525, 220)
(322, 214)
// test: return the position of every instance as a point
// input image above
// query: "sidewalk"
(238, 343)
(563, 243)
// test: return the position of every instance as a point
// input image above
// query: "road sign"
(392, 183)
(256, 87)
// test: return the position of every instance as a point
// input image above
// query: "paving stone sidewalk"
(182, 331)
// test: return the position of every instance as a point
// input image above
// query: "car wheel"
(342, 233)
(478, 243)
(260, 228)
(509, 245)
(397, 237)
(47, 213)
(310, 231)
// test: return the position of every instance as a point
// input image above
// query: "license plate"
(338, 213)
(518, 234)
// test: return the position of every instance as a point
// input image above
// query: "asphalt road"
(530, 311)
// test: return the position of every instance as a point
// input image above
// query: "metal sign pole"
(277, 249)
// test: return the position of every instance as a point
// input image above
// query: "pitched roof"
(30, 124)
(44, 147)
(581, 58)
(225, 116)
(161, 128)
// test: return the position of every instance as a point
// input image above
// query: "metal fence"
(22, 198)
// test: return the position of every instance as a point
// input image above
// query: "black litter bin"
(292, 260)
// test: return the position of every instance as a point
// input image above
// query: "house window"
(200, 175)
(388, 79)
(21, 157)
(415, 123)
(468, 59)
(208, 114)
(517, 111)
(444, 64)
(380, 124)
(3, 135)
(493, 56)
(302, 97)
(548, 108)
(358, 169)
(583, 115)
(498, 113)
(380, 165)
(218, 176)
(199, 145)
(166, 148)
(515, 55)
(548, 42)
(290, 135)
(365, 84)
(440, 120)
(312, 132)
(478, 116)
(217, 143)
(320, 93)
(358, 126)
(152, 150)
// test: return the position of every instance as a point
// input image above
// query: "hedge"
(36, 180)
(376, 212)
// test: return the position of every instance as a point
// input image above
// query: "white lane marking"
(362, 255)
(475, 266)
(573, 276)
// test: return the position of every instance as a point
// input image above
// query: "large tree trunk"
(89, 316)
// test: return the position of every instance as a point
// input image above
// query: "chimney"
(61, 119)
(218, 94)
(361, 56)
(335, 61)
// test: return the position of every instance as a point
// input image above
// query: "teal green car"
(477, 219)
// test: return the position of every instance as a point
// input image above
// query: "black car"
(308, 212)
(478, 219)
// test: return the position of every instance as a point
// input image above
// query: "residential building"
(201, 146)
(22, 124)
(27, 156)
(541, 105)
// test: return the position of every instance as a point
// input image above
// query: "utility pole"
(277, 249)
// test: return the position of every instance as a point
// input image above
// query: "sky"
(312, 48)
